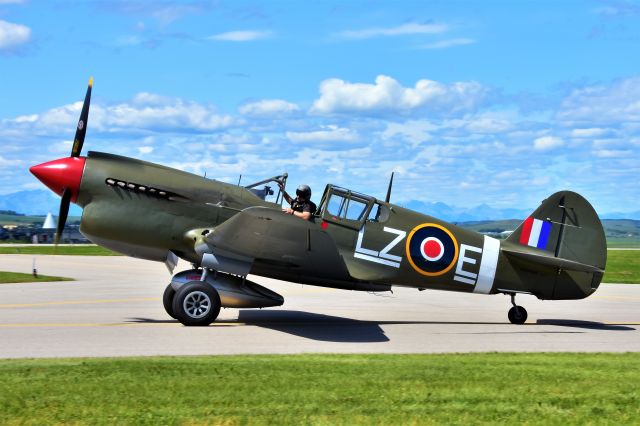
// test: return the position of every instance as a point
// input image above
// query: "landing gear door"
(344, 207)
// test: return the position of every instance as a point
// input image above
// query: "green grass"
(17, 277)
(89, 250)
(631, 242)
(623, 266)
(554, 389)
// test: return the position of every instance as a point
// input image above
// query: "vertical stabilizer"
(567, 227)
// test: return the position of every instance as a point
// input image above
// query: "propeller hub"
(61, 174)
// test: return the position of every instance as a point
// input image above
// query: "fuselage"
(147, 210)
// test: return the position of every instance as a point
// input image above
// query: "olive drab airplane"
(354, 242)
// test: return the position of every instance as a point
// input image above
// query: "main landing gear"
(195, 296)
(195, 303)
(517, 314)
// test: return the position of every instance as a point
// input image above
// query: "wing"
(268, 242)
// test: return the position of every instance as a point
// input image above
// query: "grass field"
(623, 242)
(552, 389)
(623, 266)
(17, 277)
(88, 250)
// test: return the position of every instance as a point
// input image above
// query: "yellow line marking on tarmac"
(64, 325)
(79, 302)
(128, 324)
(177, 324)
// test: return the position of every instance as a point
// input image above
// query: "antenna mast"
(389, 189)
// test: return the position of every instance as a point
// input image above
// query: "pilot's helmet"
(304, 192)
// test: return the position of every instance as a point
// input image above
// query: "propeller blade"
(64, 212)
(81, 130)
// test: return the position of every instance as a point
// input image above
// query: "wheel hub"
(197, 304)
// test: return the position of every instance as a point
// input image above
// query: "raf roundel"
(432, 249)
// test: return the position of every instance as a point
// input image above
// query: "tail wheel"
(167, 300)
(517, 315)
(196, 304)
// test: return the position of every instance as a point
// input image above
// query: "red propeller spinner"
(61, 174)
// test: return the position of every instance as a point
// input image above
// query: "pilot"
(301, 206)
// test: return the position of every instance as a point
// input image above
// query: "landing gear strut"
(517, 314)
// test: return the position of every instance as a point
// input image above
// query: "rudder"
(566, 226)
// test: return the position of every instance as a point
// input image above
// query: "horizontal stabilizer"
(545, 259)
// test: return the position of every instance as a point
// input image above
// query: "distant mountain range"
(457, 214)
(35, 202)
(40, 202)
(485, 212)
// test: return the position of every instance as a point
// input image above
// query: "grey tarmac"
(114, 309)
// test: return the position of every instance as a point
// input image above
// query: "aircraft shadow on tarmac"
(590, 325)
(326, 328)
(309, 325)
(329, 328)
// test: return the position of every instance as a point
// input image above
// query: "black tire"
(196, 304)
(517, 315)
(167, 300)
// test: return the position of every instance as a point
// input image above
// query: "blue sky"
(490, 102)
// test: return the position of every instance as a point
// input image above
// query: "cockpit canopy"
(338, 205)
(351, 209)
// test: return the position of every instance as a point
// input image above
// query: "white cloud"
(232, 139)
(146, 98)
(610, 143)
(413, 131)
(618, 9)
(12, 35)
(592, 132)
(27, 118)
(165, 12)
(485, 155)
(331, 133)
(6, 163)
(404, 29)
(130, 40)
(145, 150)
(487, 124)
(444, 44)
(239, 36)
(178, 114)
(268, 108)
(615, 103)
(63, 147)
(613, 153)
(469, 128)
(146, 112)
(387, 94)
(545, 143)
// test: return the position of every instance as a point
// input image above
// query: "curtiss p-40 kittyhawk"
(353, 241)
